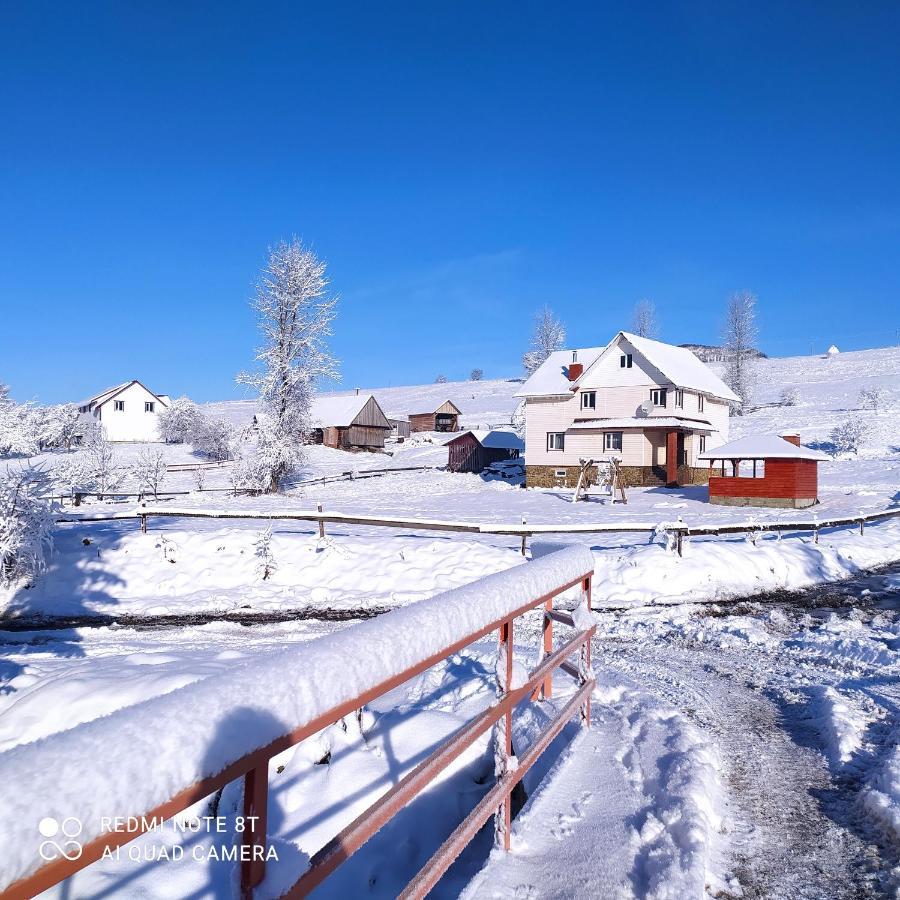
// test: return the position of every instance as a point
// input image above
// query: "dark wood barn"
(349, 423)
(768, 470)
(444, 418)
(474, 451)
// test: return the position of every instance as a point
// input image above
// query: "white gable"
(551, 378)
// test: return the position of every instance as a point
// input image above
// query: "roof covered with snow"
(337, 412)
(109, 393)
(551, 378)
(496, 440)
(642, 422)
(763, 446)
(680, 365)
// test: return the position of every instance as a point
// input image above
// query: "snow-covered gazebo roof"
(496, 440)
(764, 446)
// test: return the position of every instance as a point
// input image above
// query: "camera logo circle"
(60, 837)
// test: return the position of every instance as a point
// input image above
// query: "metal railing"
(549, 577)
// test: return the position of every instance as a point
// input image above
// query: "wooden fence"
(509, 592)
(678, 531)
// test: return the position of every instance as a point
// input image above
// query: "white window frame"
(559, 473)
(700, 401)
(657, 394)
(702, 442)
(626, 361)
(554, 437)
(119, 405)
(679, 398)
(589, 400)
(609, 441)
(149, 406)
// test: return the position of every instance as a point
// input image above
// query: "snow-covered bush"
(179, 421)
(258, 467)
(94, 469)
(848, 437)
(212, 438)
(26, 520)
(149, 471)
(199, 478)
(265, 554)
(874, 398)
(790, 397)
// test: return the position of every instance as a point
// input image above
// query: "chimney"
(575, 367)
(792, 437)
(357, 392)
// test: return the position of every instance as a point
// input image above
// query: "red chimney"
(792, 437)
(575, 370)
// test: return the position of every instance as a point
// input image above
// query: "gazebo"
(764, 470)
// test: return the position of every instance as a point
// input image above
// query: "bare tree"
(295, 312)
(549, 335)
(643, 321)
(149, 471)
(739, 340)
(476, 375)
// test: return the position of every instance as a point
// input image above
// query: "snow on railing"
(155, 759)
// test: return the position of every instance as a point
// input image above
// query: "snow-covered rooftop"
(497, 440)
(763, 446)
(643, 422)
(551, 378)
(337, 411)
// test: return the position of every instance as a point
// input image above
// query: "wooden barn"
(349, 423)
(444, 418)
(765, 470)
(399, 426)
(474, 451)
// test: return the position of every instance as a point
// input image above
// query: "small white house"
(127, 412)
(832, 351)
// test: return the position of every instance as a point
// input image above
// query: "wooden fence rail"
(678, 530)
(494, 605)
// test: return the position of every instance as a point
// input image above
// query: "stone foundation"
(769, 502)
(633, 476)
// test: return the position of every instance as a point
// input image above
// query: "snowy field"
(726, 740)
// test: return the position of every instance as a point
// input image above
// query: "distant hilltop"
(710, 353)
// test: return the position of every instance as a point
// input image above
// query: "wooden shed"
(474, 451)
(399, 426)
(444, 418)
(349, 423)
(765, 470)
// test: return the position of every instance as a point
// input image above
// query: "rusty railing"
(545, 580)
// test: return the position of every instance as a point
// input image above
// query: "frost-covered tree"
(518, 419)
(476, 375)
(20, 429)
(26, 520)
(874, 398)
(4, 392)
(849, 435)
(643, 320)
(179, 420)
(265, 554)
(790, 397)
(548, 335)
(60, 426)
(295, 311)
(739, 339)
(149, 471)
(94, 469)
(440, 379)
(212, 438)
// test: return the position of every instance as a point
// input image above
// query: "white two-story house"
(653, 406)
(126, 412)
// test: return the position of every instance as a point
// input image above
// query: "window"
(700, 402)
(727, 468)
(612, 440)
(556, 440)
(759, 468)
(588, 399)
(658, 396)
(745, 468)
(149, 406)
(120, 405)
(702, 443)
(560, 473)
(679, 399)
(625, 361)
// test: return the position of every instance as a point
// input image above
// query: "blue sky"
(458, 166)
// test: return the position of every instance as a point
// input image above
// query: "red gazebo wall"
(795, 479)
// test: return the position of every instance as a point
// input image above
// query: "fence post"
(503, 740)
(862, 527)
(321, 522)
(256, 797)
(524, 538)
(547, 686)
(679, 541)
(816, 534)
(78, 498)
(584, 672)
(143, 523)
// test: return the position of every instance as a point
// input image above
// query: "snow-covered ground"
(726, 742)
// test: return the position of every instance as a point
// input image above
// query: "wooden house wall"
(466, 454)
(371, 416)
(784, 479)
(361, 436)
(421, 422)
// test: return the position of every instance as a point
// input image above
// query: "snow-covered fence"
(153, 760)
(677, 530)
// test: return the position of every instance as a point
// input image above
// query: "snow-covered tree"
(4, 392)
(295, 312)
(874, 398)
(476, 375)
(20, 429)
(60, 426)
(643, 321)
(179, 420)
(212, 438)
(548, 335)
(739, 339)
(518, 419)
(440, 379)
(790, 397)
(849, 435)
(265, 554)
(26, 520)
(94, 469)
(149, 471)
